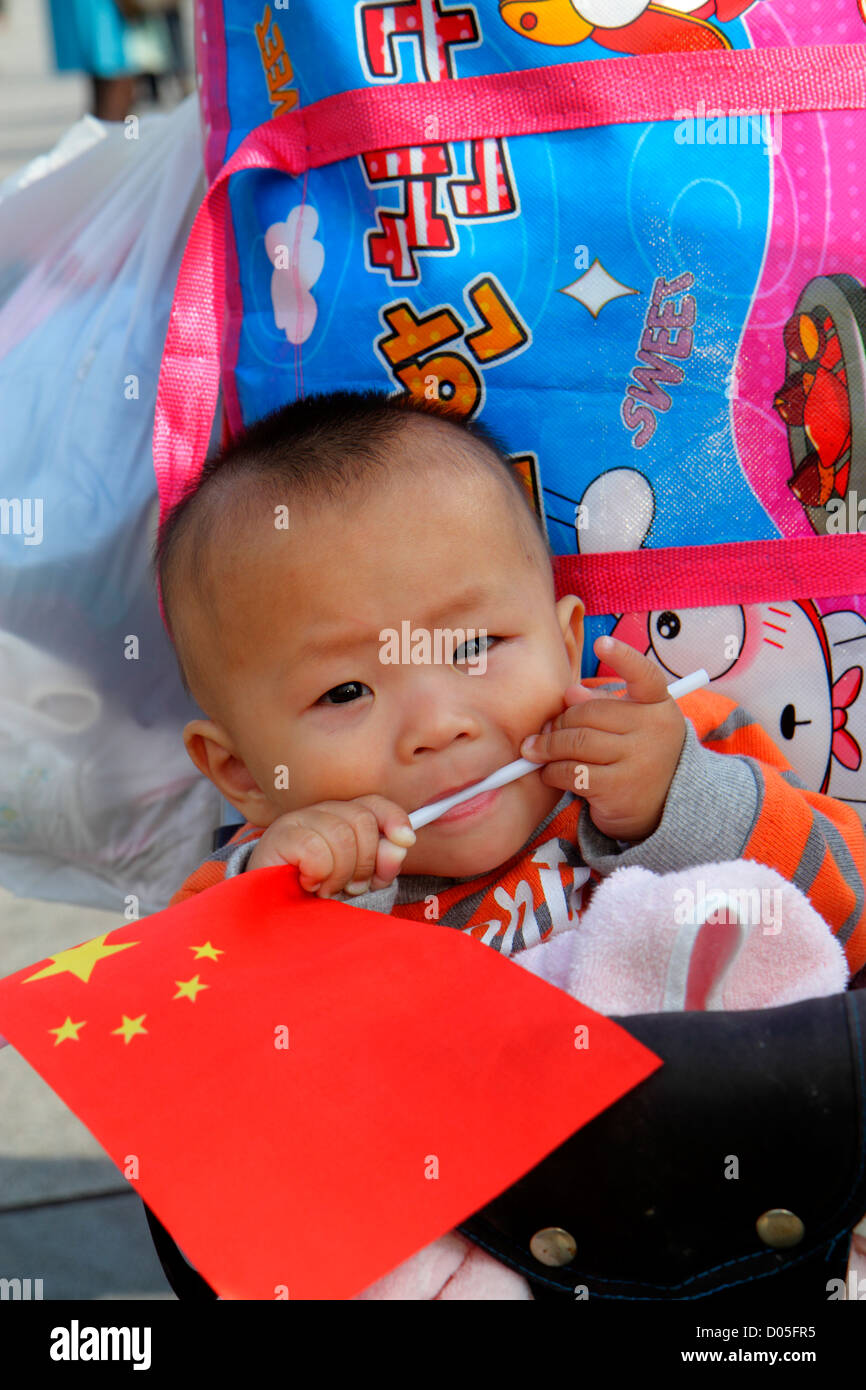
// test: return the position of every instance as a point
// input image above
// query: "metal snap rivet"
(553, 1246)
(780, 1229)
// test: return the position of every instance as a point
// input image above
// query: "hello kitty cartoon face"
(799, 673)
(771, 653)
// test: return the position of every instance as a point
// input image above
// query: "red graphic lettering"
(407, 162)
(488, 190)
(435, 31)
(403, 231)
(416, 225)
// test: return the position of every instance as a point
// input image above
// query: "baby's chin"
(466, 856)
(476, 846)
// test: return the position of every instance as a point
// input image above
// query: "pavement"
(67, 1216)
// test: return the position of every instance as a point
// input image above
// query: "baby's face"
(303, 685)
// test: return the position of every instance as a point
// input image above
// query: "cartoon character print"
(814, 396)
(822, 401)
(626, 26)
(797, 671)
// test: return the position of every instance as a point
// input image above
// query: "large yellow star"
(189, 988)
(130, 1026)
(207, 950)
(80, 960)
(67, 1030)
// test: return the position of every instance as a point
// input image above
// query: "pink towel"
(734, 935)
(722, 936)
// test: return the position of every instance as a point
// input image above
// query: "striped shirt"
(733, 796)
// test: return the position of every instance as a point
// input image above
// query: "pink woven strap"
(563, 97)
(189, 374)
(575, 96)
(703, 576)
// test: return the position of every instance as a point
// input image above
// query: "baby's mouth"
(470, 808)
(450, 791)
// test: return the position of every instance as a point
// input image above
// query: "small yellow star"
(130, 1026)
(80, 960)
(67, 1030)
(189, 988)
(207, 950)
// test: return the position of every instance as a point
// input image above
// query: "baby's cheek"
(551, 674)
(292, 781)
(285, 798)
(406, 865)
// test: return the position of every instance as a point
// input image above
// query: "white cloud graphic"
(297, 259)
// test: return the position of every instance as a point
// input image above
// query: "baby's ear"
(570, 612)
(201, 738)
(210, 747)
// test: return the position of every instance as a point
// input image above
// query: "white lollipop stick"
(510, 773)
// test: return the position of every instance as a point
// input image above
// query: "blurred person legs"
(112, 97)
(180, 69)
(165, 56)
(149, 46)
(115, 42)
(91, 36)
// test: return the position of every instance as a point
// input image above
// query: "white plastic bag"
(98, 798)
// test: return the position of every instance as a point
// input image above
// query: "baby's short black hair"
(318, 448)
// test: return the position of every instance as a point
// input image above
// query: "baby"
(342, 519)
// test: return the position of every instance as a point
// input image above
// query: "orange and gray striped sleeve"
(223, 863)
(815, 841)
(734, 795)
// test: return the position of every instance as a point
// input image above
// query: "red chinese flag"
(312, 1091)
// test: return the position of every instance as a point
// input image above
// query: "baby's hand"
(619, 752)
(337, 846)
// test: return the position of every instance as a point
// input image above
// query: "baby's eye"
(474, 643)
(354, 688)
